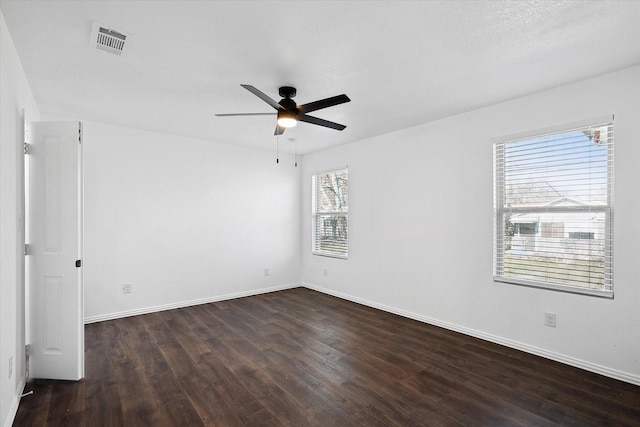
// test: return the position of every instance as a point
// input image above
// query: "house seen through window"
(330, 213)
(553, 210)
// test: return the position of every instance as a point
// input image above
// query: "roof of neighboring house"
(542, 216)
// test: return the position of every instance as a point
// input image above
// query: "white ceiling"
(401, 63)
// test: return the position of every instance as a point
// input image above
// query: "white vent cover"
(109, 40)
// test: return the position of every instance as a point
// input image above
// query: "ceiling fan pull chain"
(277, 149)
(296, 157)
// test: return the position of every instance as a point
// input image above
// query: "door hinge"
(78, 263)
(27, 148)
(27, 249)
(79, 132)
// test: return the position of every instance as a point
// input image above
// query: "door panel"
(55, 199)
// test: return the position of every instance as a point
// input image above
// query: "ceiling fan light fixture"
(286, 119)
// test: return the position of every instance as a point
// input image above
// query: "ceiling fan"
(289, 114)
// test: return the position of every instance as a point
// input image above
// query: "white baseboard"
(582, 364)
(15, 402)
(182, 304)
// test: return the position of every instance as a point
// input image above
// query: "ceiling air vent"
(109, 40)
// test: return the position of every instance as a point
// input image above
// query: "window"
(553, 198)
(581, 235)
(330, 213)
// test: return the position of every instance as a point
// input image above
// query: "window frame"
(317, 215)
(500, 210)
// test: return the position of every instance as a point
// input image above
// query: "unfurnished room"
(319, 213)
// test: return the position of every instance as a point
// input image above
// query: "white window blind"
(553, 198)
(330, 213)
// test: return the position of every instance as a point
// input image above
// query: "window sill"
(559, 288)
(330, 255)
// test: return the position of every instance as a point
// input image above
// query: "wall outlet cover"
(550, 319)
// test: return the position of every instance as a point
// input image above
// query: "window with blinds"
(553, 198)
(330, 213)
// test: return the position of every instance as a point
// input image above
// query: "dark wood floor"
(302, 358)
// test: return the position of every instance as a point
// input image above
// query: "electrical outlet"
(10, 366)
(325, 272)
(550, 319)
(267, 272)
(127, 288)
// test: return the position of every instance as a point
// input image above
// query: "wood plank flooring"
(302, 358)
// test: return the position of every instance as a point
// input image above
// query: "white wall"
(421, 219)
(184, 221)
(16, 103)
(187, 221)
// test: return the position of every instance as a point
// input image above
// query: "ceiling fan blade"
(323, 103)
(245, 114)
(320, 122)
(279, 130)
(263, 96)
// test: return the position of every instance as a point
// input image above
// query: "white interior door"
(55, 248)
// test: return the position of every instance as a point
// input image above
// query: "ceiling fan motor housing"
(287, 104)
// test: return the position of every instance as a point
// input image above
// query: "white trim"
(555, 287)
(331, 170)
(15, 402)
(567, 360)
(566, 127)
(189, 303)
(329, 254)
